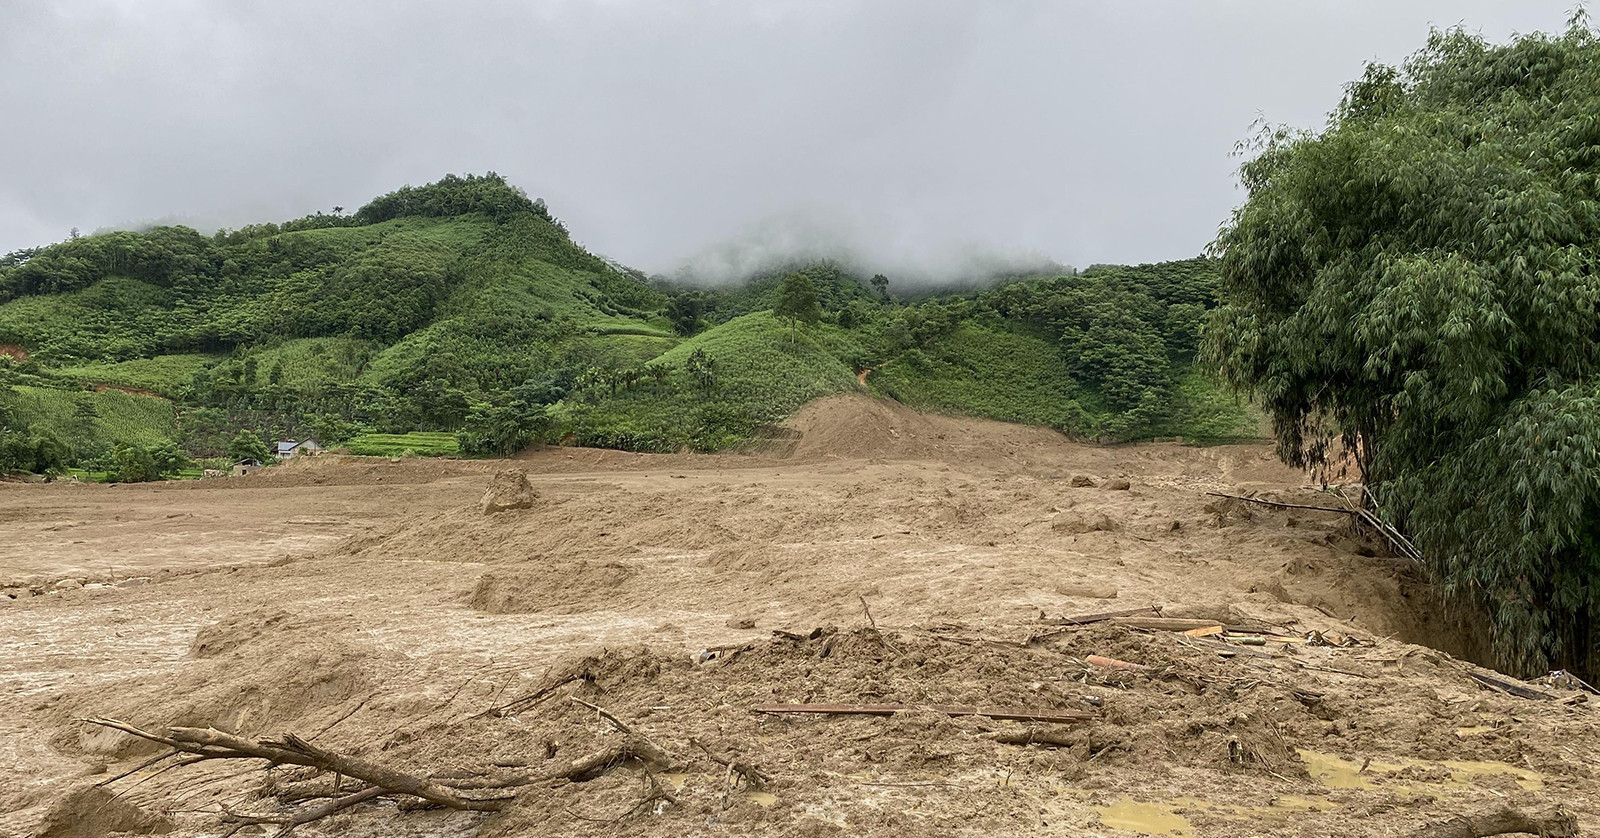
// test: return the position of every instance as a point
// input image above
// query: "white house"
(288, 449)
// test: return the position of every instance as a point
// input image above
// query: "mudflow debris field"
(616, 644)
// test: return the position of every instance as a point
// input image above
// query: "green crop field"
(90, 421)
(416, 443)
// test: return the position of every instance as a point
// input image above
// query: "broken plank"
(1515, 689)
(1020, 714)
(1229, 649)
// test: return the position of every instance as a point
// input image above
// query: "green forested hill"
(464, 307)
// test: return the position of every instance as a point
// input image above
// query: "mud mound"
(94, 812)
(738, 556)
(568, 588)
(508, 490)
(858, 427)
(250, 673)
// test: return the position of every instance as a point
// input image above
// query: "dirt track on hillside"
(373, 603)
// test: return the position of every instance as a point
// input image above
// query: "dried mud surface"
(376, 607)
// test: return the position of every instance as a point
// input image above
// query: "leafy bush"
(1419, 281)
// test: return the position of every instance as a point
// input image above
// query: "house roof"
(285, 446)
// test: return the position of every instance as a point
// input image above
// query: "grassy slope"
(982, 372)
(164, 374)
(763, 373)
(998, 374)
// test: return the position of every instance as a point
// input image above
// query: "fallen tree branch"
(582, 769)
(1399, 542)
(643, 746)
(874, 623)
(1012, 713)
(523, 703)
(1282, 505)
(292, 750)
(1549, 823)
(752, 773)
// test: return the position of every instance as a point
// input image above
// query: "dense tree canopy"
(1419, 282)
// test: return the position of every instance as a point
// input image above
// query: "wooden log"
(1548, 823)
(1166, 623)
(1020, 714)
(1087, 619)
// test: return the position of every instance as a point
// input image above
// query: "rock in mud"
(1116, 484)
(1082, 481)
(1079, 524)
(509, 490)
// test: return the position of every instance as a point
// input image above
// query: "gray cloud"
(914, 133)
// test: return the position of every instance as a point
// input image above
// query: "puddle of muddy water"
(1338, 773)
(1130, 815)
(1164, 817)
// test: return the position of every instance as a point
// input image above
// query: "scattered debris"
(1113, 663)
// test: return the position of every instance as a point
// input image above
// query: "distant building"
(244, 467)
(289, 449)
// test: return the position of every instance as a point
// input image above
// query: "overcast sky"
(924, 133)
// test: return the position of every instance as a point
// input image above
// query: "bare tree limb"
(752, 773)
(304, 816)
